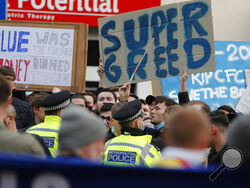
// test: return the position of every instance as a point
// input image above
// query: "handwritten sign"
(39, 56)
(243, 104)
(183, 38)
(224, 86)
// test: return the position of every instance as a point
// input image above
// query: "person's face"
(104, 97)
(106, 118)
(117, 126)
(11, 80)
(145, 110)
(41, 114)
(157, 113)
(90, 101)
(79, 102)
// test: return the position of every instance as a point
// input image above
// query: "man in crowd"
(91, 101)
(116, 128)
(37, 108)
(82, 134)
(105, 114)
(25, 117)
(238, 137)
(10, 118)
(12, 142)
(220, 123)
(48, 130)
(132, 147)
(105, 96)
(79, 99)
(158, 109)
(186, 139)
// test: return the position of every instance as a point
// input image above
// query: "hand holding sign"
(124, 91)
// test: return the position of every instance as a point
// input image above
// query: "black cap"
(56, 101)
(128, 112)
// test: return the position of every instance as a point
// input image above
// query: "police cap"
(56, 101)
(128, 112)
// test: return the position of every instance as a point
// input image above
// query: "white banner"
(40, 56)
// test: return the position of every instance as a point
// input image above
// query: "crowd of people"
(115, 127)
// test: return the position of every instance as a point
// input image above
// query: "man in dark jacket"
(25, 116)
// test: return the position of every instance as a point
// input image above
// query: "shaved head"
(188, 129)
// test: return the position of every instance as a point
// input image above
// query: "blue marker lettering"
(132, 65)
(2, 41)
(158, 28)
(172, 43)
(22, 41)
(129, 31)
(115, 40)
(12, 49)
(161, 73)
(116, 69)
(188, 46)
(193, 20)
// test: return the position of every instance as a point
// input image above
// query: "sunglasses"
(107, 118)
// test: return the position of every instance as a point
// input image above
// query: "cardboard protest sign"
(243, 104)
(45, 55)
(225, 86)
(183, 38)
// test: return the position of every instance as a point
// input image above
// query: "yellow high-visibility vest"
(126, 150)
(48, 130)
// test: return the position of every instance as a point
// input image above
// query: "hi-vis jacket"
(126, 150)
(48, 130)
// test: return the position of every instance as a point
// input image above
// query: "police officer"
(48, 130)
(132, 147)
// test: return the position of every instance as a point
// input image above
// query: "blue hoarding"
(24, 171)
(225, 85)
(3, 9)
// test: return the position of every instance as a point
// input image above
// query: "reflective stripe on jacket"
(48, 130)
(132, 151)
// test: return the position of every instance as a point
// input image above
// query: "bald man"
(186, 140)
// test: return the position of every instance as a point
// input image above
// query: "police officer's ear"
(138, 123)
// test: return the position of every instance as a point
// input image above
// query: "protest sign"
(183, 38)
(247, 76)
(243, 104)
(222, 87)
(45, 55)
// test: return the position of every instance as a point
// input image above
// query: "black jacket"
(25, 115)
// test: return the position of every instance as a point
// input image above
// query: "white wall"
(230, 18)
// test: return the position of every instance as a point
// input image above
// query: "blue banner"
(222, 87)
(3, 9)
(20, 171)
